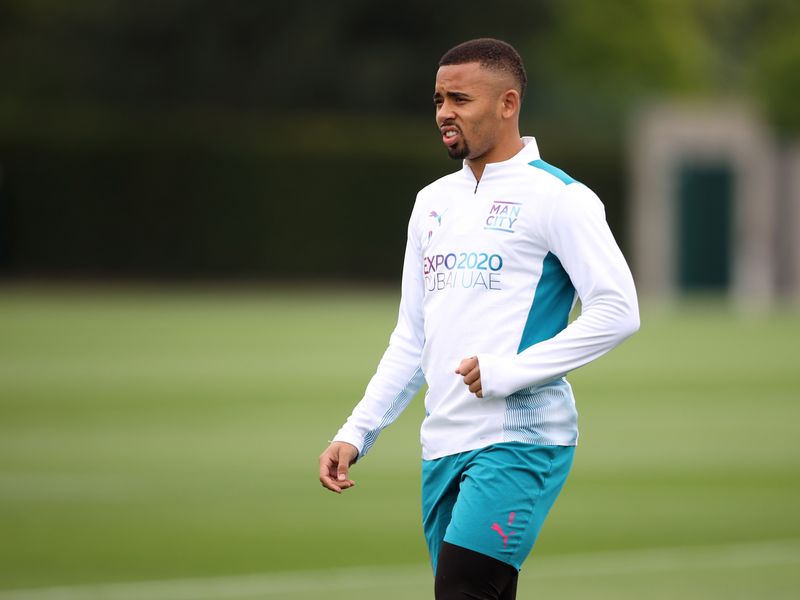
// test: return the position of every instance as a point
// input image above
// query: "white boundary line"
(722, 556)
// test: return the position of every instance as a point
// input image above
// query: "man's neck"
(499, 153)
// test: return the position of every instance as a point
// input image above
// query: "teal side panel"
(552, 301)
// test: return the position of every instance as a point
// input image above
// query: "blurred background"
(203, 211)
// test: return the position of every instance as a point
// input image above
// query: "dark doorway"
(705, 218)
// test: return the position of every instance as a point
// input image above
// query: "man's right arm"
(399, 374)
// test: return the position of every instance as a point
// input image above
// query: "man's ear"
(509, 103)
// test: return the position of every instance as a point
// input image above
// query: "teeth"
(450, 134)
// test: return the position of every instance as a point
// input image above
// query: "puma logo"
(496, 527)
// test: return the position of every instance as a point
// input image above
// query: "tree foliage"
(130, 121)
(358, 56)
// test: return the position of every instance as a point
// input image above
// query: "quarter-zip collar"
(529, 152)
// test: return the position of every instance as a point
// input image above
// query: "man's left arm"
(582, 241)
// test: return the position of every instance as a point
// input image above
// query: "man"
(496, 255)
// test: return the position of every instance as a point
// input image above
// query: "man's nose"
(444, 113)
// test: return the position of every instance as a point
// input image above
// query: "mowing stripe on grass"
(687, 558)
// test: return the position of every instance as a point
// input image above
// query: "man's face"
(467, 99)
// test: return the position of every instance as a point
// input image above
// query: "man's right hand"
(334, 465)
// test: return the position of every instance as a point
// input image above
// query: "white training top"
(492, 269)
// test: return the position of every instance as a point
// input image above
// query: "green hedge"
(205, 196)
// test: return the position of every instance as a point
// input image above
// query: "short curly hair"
(492, 54)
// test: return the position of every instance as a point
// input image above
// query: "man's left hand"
(471, 371)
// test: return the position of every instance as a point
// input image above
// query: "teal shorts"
(492, 500)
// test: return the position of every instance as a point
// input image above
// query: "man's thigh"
(506, 491)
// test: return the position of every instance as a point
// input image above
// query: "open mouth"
(450, 135)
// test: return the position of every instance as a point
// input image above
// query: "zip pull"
(477, 183)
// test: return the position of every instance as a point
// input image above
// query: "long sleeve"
(399, 375)
(580, 240)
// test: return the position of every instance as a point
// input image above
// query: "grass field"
(163, 445)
